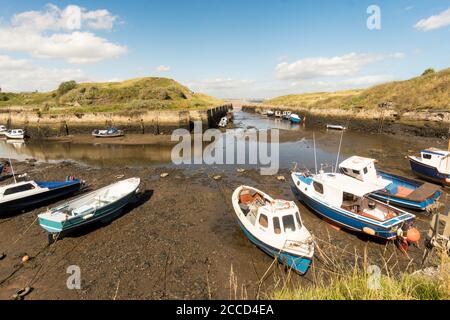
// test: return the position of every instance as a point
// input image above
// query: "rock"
(164, 174)
(25, 258)
(2, 255)
(218, 177)
(281, 178)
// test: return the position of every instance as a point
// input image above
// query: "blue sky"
(253, 49)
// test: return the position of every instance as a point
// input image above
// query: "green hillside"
(430, 91)
(131, 95)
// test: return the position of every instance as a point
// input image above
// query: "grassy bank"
(429, 91)
(353, 284)
(135, 95)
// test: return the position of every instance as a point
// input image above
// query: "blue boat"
(394, 189)
(25, 195)
(344, 201)
(433, 165)
(295, 118)
(100, 205)
(275, 227)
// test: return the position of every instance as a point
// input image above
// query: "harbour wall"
(151, 122)
(428, 123)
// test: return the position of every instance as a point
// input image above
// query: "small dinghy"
(108, 133)
(274, 226)
(102, 204)
(24, 195)
(15, 134)
(3, 130)
(295, 118)
(396, 190)
(344, 201)
(270, 113)
(433, 164)
(335, 127)
(278, 114)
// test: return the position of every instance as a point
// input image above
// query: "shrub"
(428, 71)
(65, 87)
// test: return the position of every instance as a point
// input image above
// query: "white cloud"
(22, 75)
(315, 67)
(219, 84)
(434, 22)
(162, 68)
(30, 32)
(354, 82)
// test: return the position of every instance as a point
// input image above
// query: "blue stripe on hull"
(343, 220)
(428, 172)
(415, 205)
(297, 263)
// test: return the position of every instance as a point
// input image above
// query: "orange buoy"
(413, 235)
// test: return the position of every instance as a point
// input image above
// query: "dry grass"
(430, 91)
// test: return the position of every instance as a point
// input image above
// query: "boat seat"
(403, 191)
(82, 210)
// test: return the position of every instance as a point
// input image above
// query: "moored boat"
(278, 114)
(344, 201)
(15, 134)
(99, 205)
(287, 115)
(433, 164)
(295, 118)
(396, 190)
(25, 195)
(223, 122)
(274, 226)
(336, 127)
(270, 113)
(108, 133)
(3, 130)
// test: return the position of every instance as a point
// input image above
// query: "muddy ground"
(179, 242)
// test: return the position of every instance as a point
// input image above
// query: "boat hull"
(343, 220)
(105, 213)
(299, 264)
(34, 201)
(428, 172)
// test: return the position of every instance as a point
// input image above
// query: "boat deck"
(425, 191)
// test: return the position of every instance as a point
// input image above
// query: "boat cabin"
(344, 192)
(277, 217)
(13, 190)
(437, 158)
(363, 169)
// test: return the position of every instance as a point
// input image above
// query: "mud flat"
(416, 123)
(179, 242)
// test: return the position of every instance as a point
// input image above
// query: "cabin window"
(263, 221)
(289, 223)
(22, 188)
(349, 197)
(365, 170)
(318, 187)
(426, 156)
(355, 171)
(297, 217)
(276, 225)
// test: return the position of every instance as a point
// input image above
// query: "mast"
(315, 155)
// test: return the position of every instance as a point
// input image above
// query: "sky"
(225, 48)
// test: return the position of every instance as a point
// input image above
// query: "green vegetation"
(352, 284)
(428, 71)
(429, 91)
(135, 95)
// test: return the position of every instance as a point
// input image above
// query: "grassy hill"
(132, 95)
(430, 91)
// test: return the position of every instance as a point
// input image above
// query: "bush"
(65, 87)
(428, 71)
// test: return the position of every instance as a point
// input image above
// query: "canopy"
(347, 184)
(356, 163)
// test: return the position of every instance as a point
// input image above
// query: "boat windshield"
(288, 223)
(21, 188)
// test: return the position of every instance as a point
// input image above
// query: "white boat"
(99, 205)
(278, 114)
(336, 127)
(15, 134)
(433, 164)
(108, 133)
(270, 113)
(3, 130)
(345, 201)
(223, 122)
(295, 118)
(274, 226)
(287, 115)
